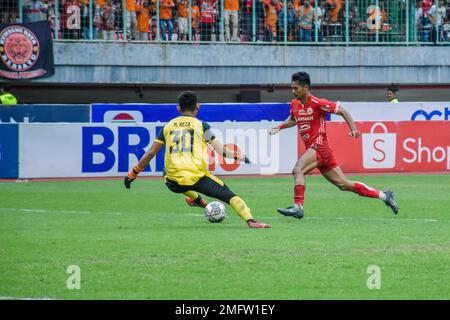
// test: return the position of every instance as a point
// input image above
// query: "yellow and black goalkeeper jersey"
(186, 150)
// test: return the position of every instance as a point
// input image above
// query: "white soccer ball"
(215, 212)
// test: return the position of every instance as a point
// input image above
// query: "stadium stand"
(247, 21)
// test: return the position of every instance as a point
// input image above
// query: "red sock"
(365, 191)
(299, 194)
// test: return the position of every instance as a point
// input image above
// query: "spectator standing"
(231, 17)
(332, 25)
(97, 18)
(182, 19)
(305, 21)
(165, 19)
(319, 14)
(207, 19)
(437, 17)
(85, 20)
(419, 20)
(131, 20)
(108, 18)
(248, 19)
(219, 33)
(195, 13)
(291, 18)
(143, 20)
(271, 7)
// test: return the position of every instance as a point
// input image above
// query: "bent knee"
(298, 171)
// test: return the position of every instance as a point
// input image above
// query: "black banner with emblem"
(26, 50)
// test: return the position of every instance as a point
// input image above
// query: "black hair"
(393, 88)
(301, 78)
(187, 100)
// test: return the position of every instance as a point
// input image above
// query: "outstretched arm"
(289, 122)
(351, 124)
(227, 153)
(143, 162)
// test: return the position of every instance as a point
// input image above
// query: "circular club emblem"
(309, 111)
(19, 48)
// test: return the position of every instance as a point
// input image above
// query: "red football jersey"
(310, 119)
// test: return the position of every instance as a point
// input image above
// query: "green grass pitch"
(145, 243)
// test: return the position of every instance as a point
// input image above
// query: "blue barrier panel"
(44, 113)
(208, 112)
(9, 151)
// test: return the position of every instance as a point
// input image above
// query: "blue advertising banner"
(208, 112)
(44, 113)
(9, 151)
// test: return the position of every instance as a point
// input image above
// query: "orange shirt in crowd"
(182, 7)
(272, 8)
(231, 5)
(101, 2)
(195, 16)
(334, 14)
(165, 10)
(143, 18)
(296, 5)
(130, 5)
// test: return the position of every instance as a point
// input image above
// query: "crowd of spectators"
(300, 21)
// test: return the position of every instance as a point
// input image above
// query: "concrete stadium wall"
(229, 64)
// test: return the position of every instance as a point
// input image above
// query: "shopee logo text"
(421, 153)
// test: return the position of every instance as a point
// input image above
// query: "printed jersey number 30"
(183, 141)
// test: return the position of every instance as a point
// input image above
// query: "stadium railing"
(309, 22)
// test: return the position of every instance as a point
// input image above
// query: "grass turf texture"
(146, 243)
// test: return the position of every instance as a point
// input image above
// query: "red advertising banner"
(386, 146)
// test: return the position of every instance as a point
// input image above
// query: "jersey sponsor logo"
(308, 118)
(19, 48)
(304, 127)
(424, 115)
(301, 112)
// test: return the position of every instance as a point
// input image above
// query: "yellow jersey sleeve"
(208, 135)
(160, 138)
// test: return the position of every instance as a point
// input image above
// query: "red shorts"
(325, 158)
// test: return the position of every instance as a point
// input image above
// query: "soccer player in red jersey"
(308, 113)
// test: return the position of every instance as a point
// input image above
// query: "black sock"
(197, 201)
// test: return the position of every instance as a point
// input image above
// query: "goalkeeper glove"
(131, 176)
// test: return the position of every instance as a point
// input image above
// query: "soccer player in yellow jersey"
(186, 140)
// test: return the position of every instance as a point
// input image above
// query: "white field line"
(43, 210)
(26, 298)
(55, 211)
(201, 215)
(372, 219)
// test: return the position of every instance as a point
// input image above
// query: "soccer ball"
(215, 212)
